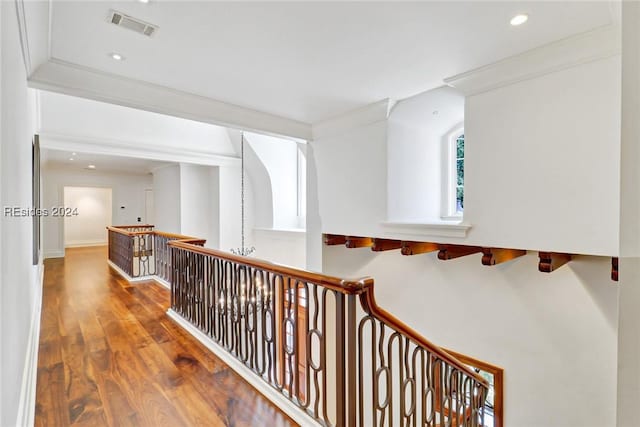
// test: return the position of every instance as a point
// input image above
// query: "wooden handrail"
(180, 237)
(175, 236)
(368, 302)
(134, 226)
(347, 287)
(498, 383)
(362, 287)
(121, 231)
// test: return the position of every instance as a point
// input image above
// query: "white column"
(629, 264)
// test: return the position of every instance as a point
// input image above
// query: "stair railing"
(141, 252)
(323, 342)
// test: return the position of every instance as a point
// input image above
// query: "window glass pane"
(460, 147)
(460, 172)
(459, 199)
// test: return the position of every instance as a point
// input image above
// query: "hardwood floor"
(110, 356)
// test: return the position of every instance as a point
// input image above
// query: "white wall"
(281, 247)
(128, 191)
(351, 170)
(554, 334)
(166, 194)
(279, 157)
(416, 129)
(20, 290)
(90, 212)
(198, 207)
(98, 122)
(541, 167)
(230, 224)
(542, 164)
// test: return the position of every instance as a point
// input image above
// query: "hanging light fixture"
(242, 250)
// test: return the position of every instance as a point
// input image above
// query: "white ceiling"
(59, 160)
(309, 61)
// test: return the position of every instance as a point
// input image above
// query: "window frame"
(449, 176)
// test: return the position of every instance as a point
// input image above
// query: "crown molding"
(366, 115)
(133, 149)
(24, 37)
(597, 44)
(72, 79)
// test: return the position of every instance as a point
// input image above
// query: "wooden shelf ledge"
(448, 252)
(493, 256)
(551, 261)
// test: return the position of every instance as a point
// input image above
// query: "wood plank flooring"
(110, 356)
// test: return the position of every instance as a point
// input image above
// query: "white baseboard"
(162, 282)
(298, 415)
(86, 243)
(54, 254)
(27, 405)
(127, 277)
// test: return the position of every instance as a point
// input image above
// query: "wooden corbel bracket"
(456, 251)
(380, 245)
(334, 239)
(415, 248)
(493, 256)
(551, 261)
(358, 242)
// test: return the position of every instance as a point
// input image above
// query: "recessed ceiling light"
(143, 1)
(91, 166)
(71, 158)
(116, 56)
(73, 154)
(519, 19)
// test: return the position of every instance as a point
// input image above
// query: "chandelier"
(242, 250)
(245, 300)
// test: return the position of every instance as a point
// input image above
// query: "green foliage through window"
(460, 173)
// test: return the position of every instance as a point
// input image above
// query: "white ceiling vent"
(125, 21)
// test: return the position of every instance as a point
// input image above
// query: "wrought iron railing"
(163, 265)
(140, 251)
(323, 342)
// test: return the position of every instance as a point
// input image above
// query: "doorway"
(87, 213)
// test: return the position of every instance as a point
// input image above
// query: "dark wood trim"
(493, 256)
(334, 239)
(551, 261)
(498, 383)
(415, 248)
(614, 269)
(380, 245)
(448, 252)
(358, 242)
